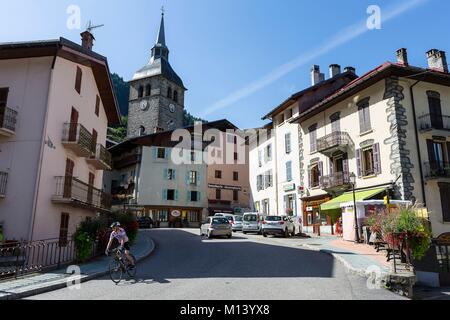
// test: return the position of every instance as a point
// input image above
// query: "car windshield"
(273, 218)
(230, 218)
(220, 221)
(250, 217)
(238, 218)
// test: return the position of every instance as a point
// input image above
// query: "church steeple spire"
(160, 49)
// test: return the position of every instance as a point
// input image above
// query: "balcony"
(437, 170)
(8, 120)
(336, 141)
(336, 182)
(102, 158)
(3, 183)
(76, 193)
(127, 160)
(434, 122)
(78, 139)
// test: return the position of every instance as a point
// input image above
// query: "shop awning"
(335, 204)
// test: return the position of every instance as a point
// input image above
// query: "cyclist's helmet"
(115, 225)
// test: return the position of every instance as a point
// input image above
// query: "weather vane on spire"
(163, 10)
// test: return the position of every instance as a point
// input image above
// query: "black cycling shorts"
(126, 246)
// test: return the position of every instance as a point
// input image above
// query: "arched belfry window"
(142, 131)
(169, 93)
(140, 92)
(148, 90)
(175, 96)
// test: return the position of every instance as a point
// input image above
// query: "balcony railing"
(434, 122)
(3, 183)
(72, 191)
(8, 120)
(78, 139)
(333, 142)
(102, 159)
(435, 170)
(335, 180)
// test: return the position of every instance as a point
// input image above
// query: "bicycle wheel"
(115, 271)
(132, 272)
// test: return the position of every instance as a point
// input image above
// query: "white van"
(252, 222)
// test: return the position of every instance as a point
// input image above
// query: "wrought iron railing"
(3, 183)
(8, 118)
(18, 258)
(77, 133)
(334, 139)
(103, 155)
(434, 121)
(338, 179)
(438, 169)
(72, 189)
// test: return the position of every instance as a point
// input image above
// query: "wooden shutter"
(164, 194)
(376, 158)
(90, 187)
(166, 174)
(64, 229)
(367, 118)
(430, 147)
(320, 168)
(94, 141)
(68, 178)
(309, 177)
(78, 80)
(434, 104)
(331, 165)
(97, 106)
(359, 162)
(73, 125)
(3, 96)
(444, 189)
(345, 163)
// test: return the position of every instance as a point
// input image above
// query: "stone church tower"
(156, 94)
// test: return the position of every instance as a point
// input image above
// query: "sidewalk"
(40, 283)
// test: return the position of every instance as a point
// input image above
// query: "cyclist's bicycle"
(120, 265)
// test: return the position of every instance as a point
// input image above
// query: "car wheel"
(209, 235)
(286, 233)
(264, 235)
(230, 235)
(243, 232)
(293, 232)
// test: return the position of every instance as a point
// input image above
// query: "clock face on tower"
(144, 105)
(172, 108)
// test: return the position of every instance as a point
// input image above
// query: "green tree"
(122, 90)
(119, 133)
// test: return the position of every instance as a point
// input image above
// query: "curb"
(62, 283)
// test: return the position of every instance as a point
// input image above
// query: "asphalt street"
(186, 266)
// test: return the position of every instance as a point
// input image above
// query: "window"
(175, 96)
(192, 156)
(314, 175)
(259, 182)
(287, 143)
(193, 196)
(265, 206)
(364, 116)
(163, 215)
(368, 161)
(64, 229)
(193, 177)
(268, 180)
(335, 122)
(161, 153)
(218, 174)
(78, 79)
(268, 153)
(97, 106)
(260, 163)
(218, 194)
(235, 195)
(3, 97)
(235, 176)
(289, 114)
(148, 90)
(236, 156)
(141, 130)
(169, 93)
(289, 171)
(282, 118)
(444, 189)
(313, 138)
(193, 216)
(140, 92)
(434, 105)
(171, 195)
(170, 174)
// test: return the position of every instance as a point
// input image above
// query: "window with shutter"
(364, 116)
(78, 79)
(359, 162)
(313, 140)
(64, 229)
(376, 158)
(289, 171)
(444, 189)
(97, 106)
(287, 140)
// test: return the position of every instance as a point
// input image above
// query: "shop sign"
(289, 187)
(309, 209)
(176, 213)
(224, 187)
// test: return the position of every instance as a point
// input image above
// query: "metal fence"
(8, 118)
(434, 121)
(25, 257)
(3, 183)
(338, 138)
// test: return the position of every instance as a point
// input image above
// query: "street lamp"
(353, 182)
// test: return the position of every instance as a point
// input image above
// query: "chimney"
(402, 56)
(335, 69)
(316, 75)
(437, 60)
(87, 40)
(350, 69)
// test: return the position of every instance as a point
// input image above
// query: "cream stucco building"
(56, 100)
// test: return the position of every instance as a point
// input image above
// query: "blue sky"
(240, 58)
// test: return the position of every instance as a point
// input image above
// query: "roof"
(294, 98)
(381, 72)
(164, 138)
(158, 67)
(76, 53)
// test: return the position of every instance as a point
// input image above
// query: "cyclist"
(121, 236)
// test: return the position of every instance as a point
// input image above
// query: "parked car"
(145, 222)
(216, 226)
(278, 225)
(236, 225)
(252, 222)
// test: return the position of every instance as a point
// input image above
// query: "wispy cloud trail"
(347, 34)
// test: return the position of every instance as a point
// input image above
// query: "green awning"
(335, 204)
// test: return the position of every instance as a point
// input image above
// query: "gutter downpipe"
(43, 144)
(413, 105)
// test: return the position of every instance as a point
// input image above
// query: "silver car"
(215, 227)
(278, 225)
(252, 222)
(236, 224)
